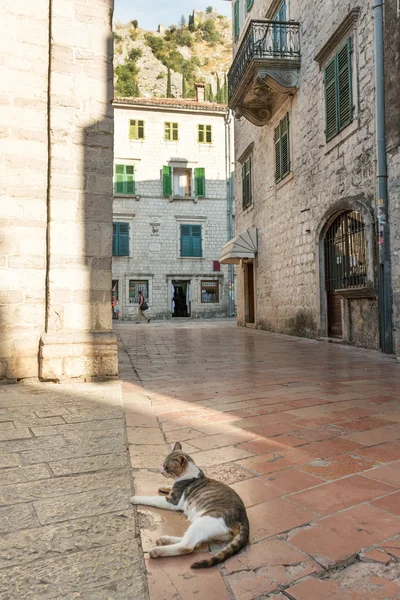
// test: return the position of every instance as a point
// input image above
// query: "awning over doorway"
(243, 246)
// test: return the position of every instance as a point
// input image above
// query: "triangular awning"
(243, 246)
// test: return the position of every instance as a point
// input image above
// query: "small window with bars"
(247, 192)
(338, 92)
(345, 252)
(136, 129)
(204, 134)
(171, 132)
(282, 149)
(124, 179)
(209, 292)
(136, 286)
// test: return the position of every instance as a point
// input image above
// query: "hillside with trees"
(167, 63)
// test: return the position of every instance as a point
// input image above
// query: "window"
(346, 252)
(191, 241)
(178, 182)
(216, 265)
(136, 129)
(209, 292)
(280, 33)
(247, 196)
(120, 239)
(124, 179)
(338, 92)
(135, 287)
(236, 23)
(171, 132)
(204, 134)
(182, 182)
(282, 151)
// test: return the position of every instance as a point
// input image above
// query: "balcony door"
(280, 35)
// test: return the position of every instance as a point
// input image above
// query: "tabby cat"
(216, 511)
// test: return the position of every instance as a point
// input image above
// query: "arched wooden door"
(345, 264)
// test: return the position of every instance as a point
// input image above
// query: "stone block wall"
(58, 160)
(324, 178)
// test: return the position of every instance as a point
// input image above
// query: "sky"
(151, 13)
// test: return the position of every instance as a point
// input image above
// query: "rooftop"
(178, 103)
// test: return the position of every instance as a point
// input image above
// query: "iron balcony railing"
(273, 40)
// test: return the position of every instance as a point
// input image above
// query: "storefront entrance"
(180, 299)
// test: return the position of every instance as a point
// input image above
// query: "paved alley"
(307, 433)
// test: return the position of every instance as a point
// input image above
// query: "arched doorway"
(345, 264)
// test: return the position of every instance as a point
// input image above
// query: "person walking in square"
(143, 306)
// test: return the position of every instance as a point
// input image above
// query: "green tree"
(127, 75)
(169, 87)
(182, 22)
(135, 24)
(209, 9)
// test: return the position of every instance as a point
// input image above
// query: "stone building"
(171, 207)
(302, 87)
(56, 148)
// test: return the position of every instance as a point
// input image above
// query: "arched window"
(345, 252)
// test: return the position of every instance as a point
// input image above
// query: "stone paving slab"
(67, 528)
(306, 432)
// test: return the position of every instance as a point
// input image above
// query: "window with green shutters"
(247, 195)
(249, 4)
(171, 132)
(338, 92)
(124, 179)
(200, 183)
(191, 244)
(167, 181)
(136, 129)
(120, 239)
(236, 24)
(282, 149)
(204, 134)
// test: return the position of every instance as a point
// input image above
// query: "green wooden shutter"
(175, 135)
(285, 150)
(200, 134)
(123, 239)
(344, 90)
(200, 182)
(140, 130)
(249, 4)
(332, 125)
(136, 129)
(119, 179)
(196, 240)
(129, 179)
(115, 240)
(277, 143)
(167, 181)
(186, 241)
(236, 25)
(209, 134)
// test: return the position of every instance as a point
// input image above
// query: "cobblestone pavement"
(67, 530)
(308, 433)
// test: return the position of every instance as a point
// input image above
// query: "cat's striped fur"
(215, 510)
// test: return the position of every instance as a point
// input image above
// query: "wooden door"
(334, 315)
(250, 292)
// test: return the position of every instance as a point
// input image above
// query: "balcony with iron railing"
(264, 70)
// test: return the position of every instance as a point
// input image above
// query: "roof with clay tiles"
(171, 103)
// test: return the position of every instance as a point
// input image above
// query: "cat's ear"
(182, 460)
(178, 446)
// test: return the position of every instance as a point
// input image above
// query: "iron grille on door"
(345, 252)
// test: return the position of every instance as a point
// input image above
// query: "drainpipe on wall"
(229, 200)
(385, 283)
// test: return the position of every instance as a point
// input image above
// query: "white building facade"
(171, 208)
(302, 87)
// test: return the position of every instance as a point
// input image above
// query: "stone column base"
(82, 354)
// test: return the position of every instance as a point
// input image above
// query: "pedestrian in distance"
(143, 306)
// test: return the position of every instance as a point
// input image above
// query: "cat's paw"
(154, 553)
(163, 541)
(135, 500)
(164, 490)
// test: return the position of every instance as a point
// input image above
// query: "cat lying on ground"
(215, 510)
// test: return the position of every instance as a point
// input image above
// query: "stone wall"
(58, 137)
(392, 79)
(155, 220)
(324, 176)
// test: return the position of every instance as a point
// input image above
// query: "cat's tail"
(239, 541)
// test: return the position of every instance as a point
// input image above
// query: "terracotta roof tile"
(173, 103)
